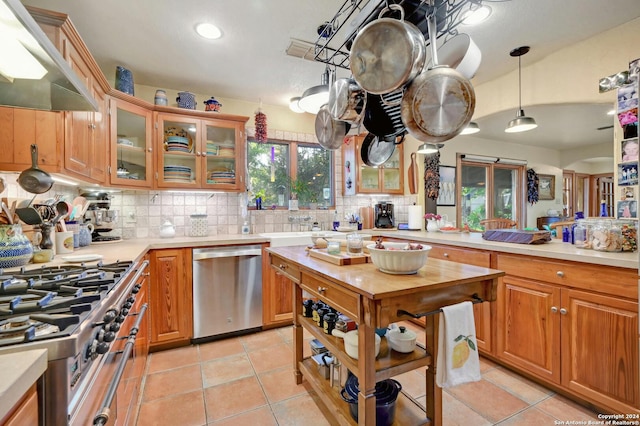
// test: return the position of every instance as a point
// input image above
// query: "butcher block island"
(372, 299)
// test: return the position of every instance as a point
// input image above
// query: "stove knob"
(102, 348)
(110, 315)
(131, 300)
(136, 289)
(90, 352)
(120, 318)
(124, 311)
(108, 336)
(114, 326)
(127, 305)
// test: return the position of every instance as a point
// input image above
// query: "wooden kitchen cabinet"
(572, 325)
(482, 312)
(131, 141)
(25, 412)
(277, 291)
(170, 298)
(85, 132)
(215, 155)
(386, 179)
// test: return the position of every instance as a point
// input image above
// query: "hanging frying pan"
(375, 151)
(346, 100)
(330, 132)
(34, 179)
(382, 116)
(439, 102)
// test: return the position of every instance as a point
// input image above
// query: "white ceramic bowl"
(394, 259)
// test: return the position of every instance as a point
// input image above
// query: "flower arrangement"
(432, 216)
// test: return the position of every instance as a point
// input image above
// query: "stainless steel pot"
(330, 132)
(387, 53)
(438, 103)
(346, 100)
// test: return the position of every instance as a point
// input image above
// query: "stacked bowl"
(177, 173)
(178, 144)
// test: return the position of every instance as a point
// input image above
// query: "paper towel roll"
(415, 217)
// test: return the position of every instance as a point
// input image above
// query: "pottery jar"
(15, 247)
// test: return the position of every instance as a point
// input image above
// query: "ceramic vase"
(432, 225)
(186, 100)
(161, 98)
(124, 80)
(15, 247)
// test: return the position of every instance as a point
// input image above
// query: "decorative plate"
(81, 258)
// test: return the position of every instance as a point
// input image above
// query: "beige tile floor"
(248, 380)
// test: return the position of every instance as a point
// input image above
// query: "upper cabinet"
(195, 152)
(385, 179)
(131, 139)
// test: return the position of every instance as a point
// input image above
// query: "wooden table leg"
(366, 366)
(297, 332)
(434, 392)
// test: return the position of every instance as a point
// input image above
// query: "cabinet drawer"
(286, 268)
(338, 298)
(459, 255)
(602, 279)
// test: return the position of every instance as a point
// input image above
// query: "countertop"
(134, 249)
(19, 372)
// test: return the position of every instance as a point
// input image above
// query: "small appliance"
(383, 215)
(101, 216)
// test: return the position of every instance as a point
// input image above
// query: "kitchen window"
(491, 188)
(273, 165)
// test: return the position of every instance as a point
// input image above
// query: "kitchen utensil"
(34, 179)
(459, 53)
(387, 53)
(386, 394)
(2, 185)
(374, 151)
(401, 339)
(6, 211)
(346, 100)
(351, 342)
(330, 132)
(439, 102)
(382, 117)
(29, 215)
(413, 175)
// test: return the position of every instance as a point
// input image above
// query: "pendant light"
(521, 123)
(314, 97)
(470, 129)
(429, 148)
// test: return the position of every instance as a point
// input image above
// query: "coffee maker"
(383, 212)
(99, 214)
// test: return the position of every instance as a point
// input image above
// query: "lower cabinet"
(171, 304)
(277, 292)
(581, 340)
(25, 412)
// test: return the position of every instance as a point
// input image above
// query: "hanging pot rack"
(448, 12)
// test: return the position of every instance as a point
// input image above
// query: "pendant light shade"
(521, 123)
(429, 148)
(471, 128)
(314, 97)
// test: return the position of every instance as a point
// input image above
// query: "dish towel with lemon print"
(458, 360)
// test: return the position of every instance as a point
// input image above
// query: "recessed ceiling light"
(611, 112)
(475, 16)
(209, 31)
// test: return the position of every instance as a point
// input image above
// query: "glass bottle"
(580, 233)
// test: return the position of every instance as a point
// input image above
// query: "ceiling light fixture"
(475, 15)
(429, 148)
(208, 31)
(521, 123)
(471, 128)
(314, 97)
(294, 105)
(611, 112)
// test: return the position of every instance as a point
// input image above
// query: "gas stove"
(76, 313)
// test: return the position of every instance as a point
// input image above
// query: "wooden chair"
(498, 223)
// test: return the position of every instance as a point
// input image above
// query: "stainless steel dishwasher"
(227, 290)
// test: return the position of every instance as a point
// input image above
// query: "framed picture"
(546, 187)
(627, 209)
(447, 189)
(628, 173)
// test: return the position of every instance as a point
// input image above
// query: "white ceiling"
(156, 40)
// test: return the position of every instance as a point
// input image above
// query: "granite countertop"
(19, 372)
(134, 249)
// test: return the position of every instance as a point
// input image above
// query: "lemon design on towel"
(461, 351)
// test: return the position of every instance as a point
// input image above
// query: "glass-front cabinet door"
(392, 173)
(131, 145)
(223, 153)
(385, 179)
(178, 164)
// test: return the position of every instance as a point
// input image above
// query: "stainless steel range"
(86, 316)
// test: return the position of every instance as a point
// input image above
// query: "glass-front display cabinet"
(131, 145)
(385, 179)
(200, 153)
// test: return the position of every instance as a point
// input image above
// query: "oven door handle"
(102, 417)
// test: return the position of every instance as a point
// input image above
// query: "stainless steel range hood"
(60, 89)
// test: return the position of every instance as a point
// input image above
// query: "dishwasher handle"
(226, 253)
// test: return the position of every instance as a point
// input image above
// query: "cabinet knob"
(150, 149)
(446, 255)
(560, 274)
(563, 311)
(554, 309)
(282, 266)
(322, 289)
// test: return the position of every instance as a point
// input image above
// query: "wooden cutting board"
(339, 259)
(413, 175)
